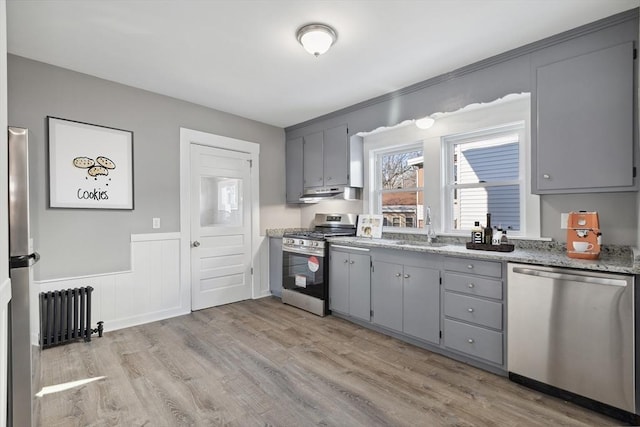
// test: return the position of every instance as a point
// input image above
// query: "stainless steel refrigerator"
(24, 375)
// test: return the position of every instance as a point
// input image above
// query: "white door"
(220, 226)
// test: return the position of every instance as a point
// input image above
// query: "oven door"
(304, 273)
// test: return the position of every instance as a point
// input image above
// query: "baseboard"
(114, 325)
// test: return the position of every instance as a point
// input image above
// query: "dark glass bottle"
(488, 231)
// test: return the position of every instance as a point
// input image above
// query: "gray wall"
(76, 242)
(487, 81)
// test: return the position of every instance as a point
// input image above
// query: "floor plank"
(262, 363)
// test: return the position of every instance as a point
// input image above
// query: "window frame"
(448, 142)
(377, 191)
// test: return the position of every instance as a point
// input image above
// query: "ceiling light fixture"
(425, 122)
(316, 38)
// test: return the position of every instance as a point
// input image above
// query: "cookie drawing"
(83, 162)
(105, 162)
(102, 168)
(97, 170)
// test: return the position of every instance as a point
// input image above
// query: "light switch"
(156, 222)
(564, 220)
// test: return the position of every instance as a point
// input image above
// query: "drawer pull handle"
(470, 310)
(470, 340)
(470, 285)
(398, 274)
(406, 276)
(470, 266)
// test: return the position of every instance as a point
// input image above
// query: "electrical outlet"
(156, 222)
(564, 221)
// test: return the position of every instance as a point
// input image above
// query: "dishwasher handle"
(572, 277)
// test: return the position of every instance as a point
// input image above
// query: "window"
(399, 185)
(483, 174)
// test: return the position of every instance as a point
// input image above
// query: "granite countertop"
(612, 259)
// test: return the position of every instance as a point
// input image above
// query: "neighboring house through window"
(482, 174)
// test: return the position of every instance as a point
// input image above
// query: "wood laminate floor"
(263, 363)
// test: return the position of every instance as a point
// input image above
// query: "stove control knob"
(315, 243)
(301, 242)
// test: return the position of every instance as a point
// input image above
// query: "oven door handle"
(319, 253)
(350, 248)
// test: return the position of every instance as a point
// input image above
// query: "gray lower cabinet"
(473, 305)
(350, 283)
(406, 298)
(275, 265)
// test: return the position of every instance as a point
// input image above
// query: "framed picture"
(90, 166)
(369, 226)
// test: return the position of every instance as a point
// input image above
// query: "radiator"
(65, 316)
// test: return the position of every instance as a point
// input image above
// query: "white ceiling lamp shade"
(316, 38)
(425, 122)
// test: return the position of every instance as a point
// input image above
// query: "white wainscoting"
(5, 297)
(150, 291)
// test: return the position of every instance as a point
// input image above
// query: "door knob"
(196, 244)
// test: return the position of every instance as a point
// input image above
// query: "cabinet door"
(336, 157)
(585, 123)
(386, 295)
(339, 282)
(421, 295)
(275, 266)
(313, 160)
(360, 286)
(294, 161)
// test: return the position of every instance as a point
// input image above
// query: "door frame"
(188, 137)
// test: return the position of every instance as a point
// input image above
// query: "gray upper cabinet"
(294, 158)
(336, 157)
(331, 159)
(583, 107)
(313, 160)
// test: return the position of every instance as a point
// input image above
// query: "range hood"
(317, 194)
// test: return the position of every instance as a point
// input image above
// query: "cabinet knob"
(470, 340)
(346, 261)
(470, 310)
(398, 274)
(352, 262)
(196, 244)
(546, 176)
(329, 178)
(406, 276)
(470, 266)
(470, 285)
(320, 179)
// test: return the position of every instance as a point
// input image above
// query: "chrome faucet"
(431, 234)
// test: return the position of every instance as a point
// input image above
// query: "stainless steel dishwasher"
(573, 330)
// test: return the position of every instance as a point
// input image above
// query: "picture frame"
(369, 225)
(90, 166)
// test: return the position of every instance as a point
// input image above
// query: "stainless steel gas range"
(305, 276)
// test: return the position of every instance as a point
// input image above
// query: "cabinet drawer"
(473, 266)
(473, 285)
(474, 310)
(473, 340)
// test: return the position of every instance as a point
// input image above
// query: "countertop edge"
(624, 265)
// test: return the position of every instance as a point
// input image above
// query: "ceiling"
(242, 56)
